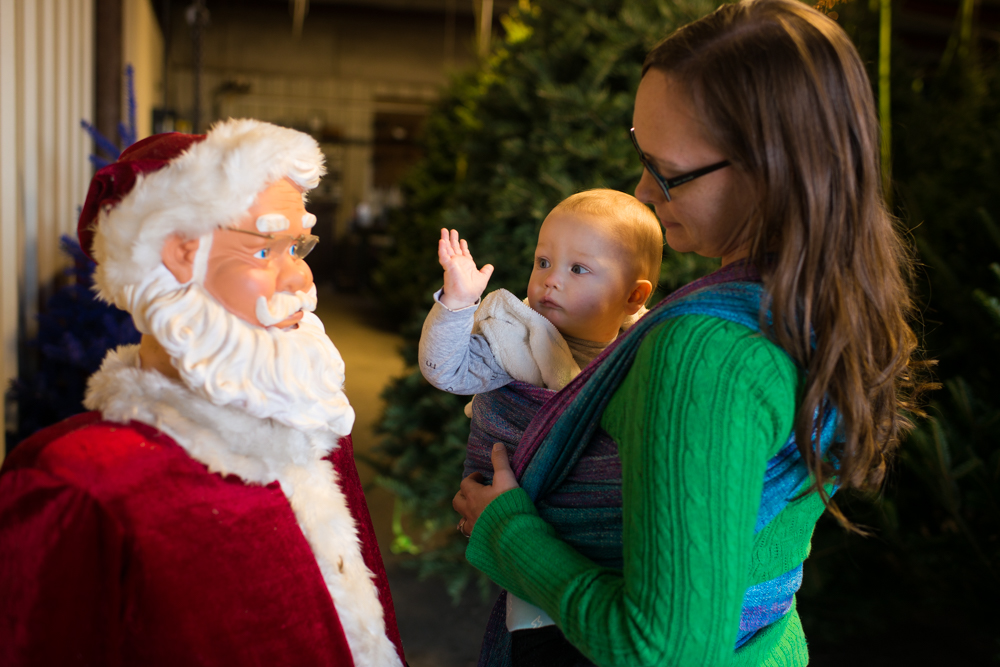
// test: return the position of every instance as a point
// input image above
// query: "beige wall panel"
(27, 159)
(143, 48)
(75, 112)
(45, 88)
(8, 197)
(46, 140)
(85, 72)
(63, 128)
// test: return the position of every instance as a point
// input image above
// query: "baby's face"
(579, 281)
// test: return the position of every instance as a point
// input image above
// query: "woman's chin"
(678, 240)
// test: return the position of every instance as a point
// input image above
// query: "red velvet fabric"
(117, 548)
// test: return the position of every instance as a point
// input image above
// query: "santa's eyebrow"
(272, 222)
(308, 221)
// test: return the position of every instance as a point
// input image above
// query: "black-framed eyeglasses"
(302, 244)
(667, 183)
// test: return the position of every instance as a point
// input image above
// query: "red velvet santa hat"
(184, 184)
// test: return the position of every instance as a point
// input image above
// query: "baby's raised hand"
(463, 283)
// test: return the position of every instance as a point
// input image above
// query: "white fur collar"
(229, 441)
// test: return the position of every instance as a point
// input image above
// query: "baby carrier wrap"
(570, 468)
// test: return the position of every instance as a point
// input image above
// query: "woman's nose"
(648, 191)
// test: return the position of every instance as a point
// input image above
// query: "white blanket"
(524, 342)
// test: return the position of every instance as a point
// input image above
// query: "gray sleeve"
(454, 359)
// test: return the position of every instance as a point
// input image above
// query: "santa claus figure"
(207, 511)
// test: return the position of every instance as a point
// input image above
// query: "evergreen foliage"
(546, 116)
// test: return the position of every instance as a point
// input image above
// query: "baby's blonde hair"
(630, 222)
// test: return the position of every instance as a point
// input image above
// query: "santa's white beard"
(294, 376)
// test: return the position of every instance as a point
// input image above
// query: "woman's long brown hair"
(784, 95)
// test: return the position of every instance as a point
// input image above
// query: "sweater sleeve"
(703, 407)
(452, 358)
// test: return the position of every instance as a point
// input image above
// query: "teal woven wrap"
(586, 508)
(563, 428)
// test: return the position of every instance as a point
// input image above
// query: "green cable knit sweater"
(705, 405)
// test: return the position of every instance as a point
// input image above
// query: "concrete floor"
(435, 632)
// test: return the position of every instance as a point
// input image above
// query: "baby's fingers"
(444, 253)
(444, 244)
(456, 245)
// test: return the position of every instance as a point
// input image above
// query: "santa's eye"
(263, 253)
(292, 249)
(543, 263)
(576, 268)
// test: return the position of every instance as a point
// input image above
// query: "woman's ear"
(637, 297)
(178, 256)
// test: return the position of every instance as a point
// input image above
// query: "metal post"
(485, 27)
(197, 18)
(885, 96)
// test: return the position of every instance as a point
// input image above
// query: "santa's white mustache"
(283, 305)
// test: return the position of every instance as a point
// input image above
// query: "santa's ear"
(178, 256)
(637, 297)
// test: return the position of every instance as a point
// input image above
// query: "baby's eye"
(543, 263)
(576, 268)
(263, 253)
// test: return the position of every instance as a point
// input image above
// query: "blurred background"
(481, 115)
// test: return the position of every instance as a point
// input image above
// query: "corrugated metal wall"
(46, 87)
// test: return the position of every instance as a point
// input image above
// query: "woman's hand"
(473, 496)
(463, 282)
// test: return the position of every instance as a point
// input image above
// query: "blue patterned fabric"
(586, 508)
(767, 602)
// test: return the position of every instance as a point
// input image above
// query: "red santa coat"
(119, 548)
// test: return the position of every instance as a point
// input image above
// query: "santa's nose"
(294, 276)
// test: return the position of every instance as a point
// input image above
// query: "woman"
(757, 131)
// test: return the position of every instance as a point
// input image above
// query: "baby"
(596, 263)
